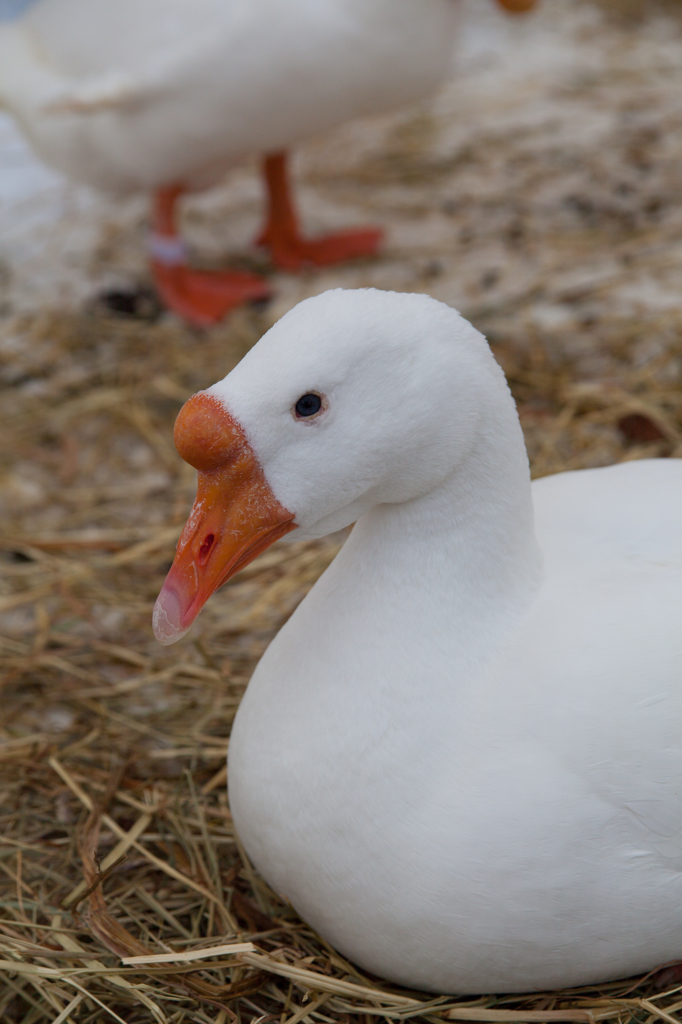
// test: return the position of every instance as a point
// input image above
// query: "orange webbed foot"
(282, 236)
(205, 297)
(296, 253)
(201, 297)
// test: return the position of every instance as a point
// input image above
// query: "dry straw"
(125, 893)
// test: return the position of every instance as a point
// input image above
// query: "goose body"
(126, 96)
(460, 757)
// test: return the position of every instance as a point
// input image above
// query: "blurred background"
(539, 192)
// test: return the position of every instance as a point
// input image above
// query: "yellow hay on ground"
(118, 837)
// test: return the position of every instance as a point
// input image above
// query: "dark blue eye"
(308, 405)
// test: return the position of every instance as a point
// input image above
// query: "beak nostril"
(205, 549)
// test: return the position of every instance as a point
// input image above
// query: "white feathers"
(128, 95)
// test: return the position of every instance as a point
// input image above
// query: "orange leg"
(201, 297)
(282, 236)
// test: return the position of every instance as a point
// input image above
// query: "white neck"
(456, 566)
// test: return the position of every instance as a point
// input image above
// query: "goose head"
(352, 400)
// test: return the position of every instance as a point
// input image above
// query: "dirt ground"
(541, 194)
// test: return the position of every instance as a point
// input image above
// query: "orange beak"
(517, 6)
(235, 515)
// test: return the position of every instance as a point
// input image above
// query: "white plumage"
(128, 95)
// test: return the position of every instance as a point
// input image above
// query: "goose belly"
(513, 831)
(250, 76)
(526, 880)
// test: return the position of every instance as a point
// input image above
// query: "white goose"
(166, 95)
(460, 758)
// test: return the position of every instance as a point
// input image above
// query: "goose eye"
(308, 405)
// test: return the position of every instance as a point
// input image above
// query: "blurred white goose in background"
(166, 95)
(460, 757)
